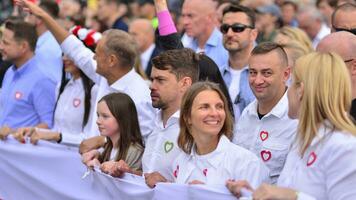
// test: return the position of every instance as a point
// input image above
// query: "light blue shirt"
(214, 48)
(49, 56)
(27, 97)
(245, 95)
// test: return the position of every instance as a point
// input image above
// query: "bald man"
(344, 44)
(143, 32)
(201, 34)
(343, 18)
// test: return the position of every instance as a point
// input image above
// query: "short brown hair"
(23, 31)
(267, 47)
(180, 62)
(122, 45)
(185, 138)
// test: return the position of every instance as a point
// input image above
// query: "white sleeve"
(72, 139)
(81, 56)
(304, 196)
(255, 172)
(340, 170)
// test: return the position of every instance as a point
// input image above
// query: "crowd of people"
(257, 95)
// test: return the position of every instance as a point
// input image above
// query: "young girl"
(117, 121)
(322, 164)
(209, 157)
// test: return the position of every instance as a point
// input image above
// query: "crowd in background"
(275, 91)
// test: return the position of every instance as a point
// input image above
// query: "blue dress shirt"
(27, 97)
(214, 48)
(49, 56)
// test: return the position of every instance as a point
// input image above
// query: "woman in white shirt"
(209, 157)
(76, 98)
(322, 164)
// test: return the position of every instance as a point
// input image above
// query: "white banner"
(53, 171)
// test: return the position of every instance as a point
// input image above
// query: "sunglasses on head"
(237, 28)
(353, 30)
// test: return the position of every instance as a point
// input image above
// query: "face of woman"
(107, 124)
(69, 66)
(294, 97)
(207, 114)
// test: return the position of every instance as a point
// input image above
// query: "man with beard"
(239, 35)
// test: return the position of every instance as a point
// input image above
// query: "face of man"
(165, 88)
(10, 49)
(194, 18)
(104, 10)
(267, 77)
(288, 13)
(325, 9)
(101, 58)
(238, 41)
(141, 33)
(345, 20)
(310, 26)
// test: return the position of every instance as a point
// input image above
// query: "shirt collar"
(171, 120)
(214, 158)
(278, 110)
(124, 81)
(24, 68)
(215, 38)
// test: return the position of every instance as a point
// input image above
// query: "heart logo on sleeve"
(168, 146)
(76, 102)
(263, 135)
(18, 95)
(266, 155)
(311, 159)
(175, 172)
(205, 171)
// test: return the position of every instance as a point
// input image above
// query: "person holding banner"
(209, 157)
(118, 122)
(322, 163)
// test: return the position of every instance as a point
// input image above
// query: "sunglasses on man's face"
(353, 30)
(237, 28)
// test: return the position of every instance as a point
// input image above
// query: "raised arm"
(59, 33)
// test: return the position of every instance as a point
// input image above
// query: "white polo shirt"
(227, 161)
(269, 138)
(161, 147)
(328, 168)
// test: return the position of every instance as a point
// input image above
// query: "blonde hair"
(298, 35)
(185, 138)
(327, 95)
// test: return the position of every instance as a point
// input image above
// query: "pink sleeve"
(165, 25)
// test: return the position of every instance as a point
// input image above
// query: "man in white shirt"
(264, 127)
(312, 22)
(143, 32)
(239, 35)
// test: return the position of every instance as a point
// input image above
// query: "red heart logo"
(263, 135)
(266, 155)
(18, 95)
(205, 171)
(175, 172)
(311, 159)
(76, 102)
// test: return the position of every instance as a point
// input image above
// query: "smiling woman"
(208, 156)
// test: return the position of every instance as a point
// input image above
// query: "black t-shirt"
(353, 109)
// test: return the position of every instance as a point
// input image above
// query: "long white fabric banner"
(53, 171)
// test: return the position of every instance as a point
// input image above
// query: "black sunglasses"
(353, 30)
(237, 28)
